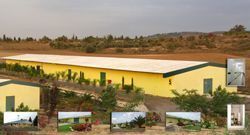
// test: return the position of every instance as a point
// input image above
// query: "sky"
(83, 18)
(72, 114)
(122, 117)
(14, 116)
(186, 115)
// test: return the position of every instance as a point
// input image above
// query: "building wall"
(194, 79)
(153, 84)
(29, 95)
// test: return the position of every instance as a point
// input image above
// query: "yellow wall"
(29, 95)
(194, 79)
(153, 84)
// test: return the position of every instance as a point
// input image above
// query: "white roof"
(4, 80)
(128, 64)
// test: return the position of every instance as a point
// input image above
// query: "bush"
(191, 101)
(23, 108)
(90, 49)
(82, 127)
(108, 98)
(119, 50)
(128, 88)
(220, 100)
(217, 106)
(1, 119)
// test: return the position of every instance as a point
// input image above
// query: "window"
(10, 103)
(102, 78)
(208, 86)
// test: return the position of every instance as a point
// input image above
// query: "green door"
(76, 120)
(208, 86)
(103, 78)
(10, 103)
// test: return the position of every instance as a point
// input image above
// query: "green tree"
(191, 101)
(220, 100)
(238, 29)
(140, 120)
(1, 119)
(23, 108)
(108, 98)
(90, 49)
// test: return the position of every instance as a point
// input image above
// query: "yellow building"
(13, 93)
(156, 77)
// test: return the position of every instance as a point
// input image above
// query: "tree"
(4, 37)
(23, 108)
(220, 100)
(1, 118)
(192, 101)
(108, 98)
(30, 120)
(238, 29)
(140, 120)
(90, 49)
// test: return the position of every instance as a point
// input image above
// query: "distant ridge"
(184, 34)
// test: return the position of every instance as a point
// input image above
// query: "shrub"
(23, 108)
(69, 94)
(191, 101)
(152, 118)
(220, 100)
(90, 49)
(128, 88)
(87, 81)
(1, 119)
(217, 106)
(108, 98)
(82, 127)
(119, 50)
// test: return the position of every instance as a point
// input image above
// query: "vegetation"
(23, 108)
(214, 108)
(108, 98)
(159, 43)
(152, 119)
(1, 119)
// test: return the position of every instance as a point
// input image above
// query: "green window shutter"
(103, 78)
(10, 103)
(208, 86)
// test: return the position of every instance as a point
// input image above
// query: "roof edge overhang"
(19, 82)
(169, 74)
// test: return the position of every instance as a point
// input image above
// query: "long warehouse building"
(156, 77)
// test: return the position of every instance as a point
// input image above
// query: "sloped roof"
(127, 64)
(9, 81)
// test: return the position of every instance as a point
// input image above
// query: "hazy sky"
(119, 17)
(122, 117)
(62, 115)
(15, 116)
(186, 115)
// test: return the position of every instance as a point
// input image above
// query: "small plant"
(94, 82)
(87, 81)
(74, 77)
(90, 49)
(23, 108)
(128, 88)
